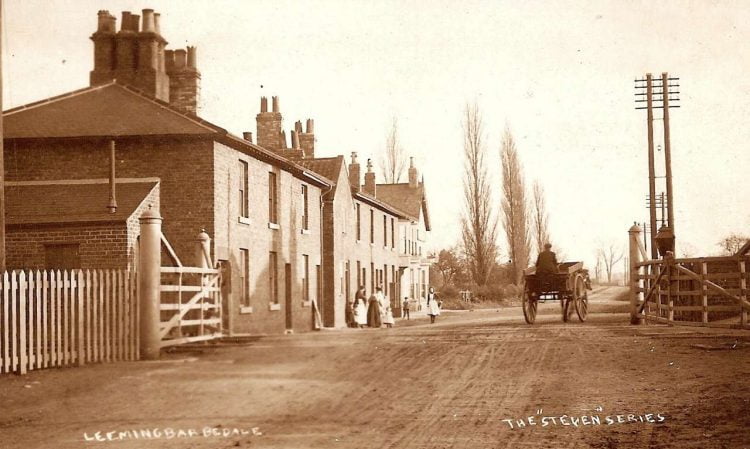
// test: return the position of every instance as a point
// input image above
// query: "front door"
(288, 294)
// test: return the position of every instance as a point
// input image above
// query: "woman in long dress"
(360, 311)
(360, 308)
(373, 311)
(433, 309)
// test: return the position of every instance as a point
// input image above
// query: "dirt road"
(465, 382)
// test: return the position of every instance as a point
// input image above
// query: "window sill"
(244, 220)
(273, 226)
(306, 232)
(245, 310)
(306, 303)
(372, 245)
(359, 241)
(274, 306)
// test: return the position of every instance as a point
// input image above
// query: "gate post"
(149, 268)
(203, 250)
(635, 257)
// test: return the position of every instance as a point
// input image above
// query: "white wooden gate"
(190, 305)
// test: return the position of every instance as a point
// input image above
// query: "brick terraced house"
(373, 234)
(262, 211)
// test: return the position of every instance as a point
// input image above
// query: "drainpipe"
(112, 206)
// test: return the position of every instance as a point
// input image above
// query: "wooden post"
(149, 270)
(634, 255)
(2, 159)
(669, 259)
(704, 292)
(667, 150)
(651, 170)
(77, 277)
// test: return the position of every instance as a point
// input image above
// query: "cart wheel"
(529, 305)
(582, 299)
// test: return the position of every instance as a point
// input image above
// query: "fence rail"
(64, 318)
(709, 292)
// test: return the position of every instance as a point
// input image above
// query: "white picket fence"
(64, 318)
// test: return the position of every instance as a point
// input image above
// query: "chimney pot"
(125, 24)
(282, 139)
(148, 21)
(106, 22)
(157, 23)
(295, 140)
(247, 135)
(309, 126)
(298, 126)
(135, 22)
(180, 58)
(354, 157)
(369, 165)
(192, 57)
(275, 101)
(169, 60)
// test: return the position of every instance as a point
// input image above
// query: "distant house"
(64, 224)
(414, 227)
(262, 211)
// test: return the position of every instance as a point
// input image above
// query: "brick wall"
(184, 167)
(255, 235)
(102, 245)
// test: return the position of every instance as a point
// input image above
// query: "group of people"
(375, 311)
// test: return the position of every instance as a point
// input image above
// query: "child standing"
(405, 307)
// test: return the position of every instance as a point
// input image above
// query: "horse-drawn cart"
(568, 285)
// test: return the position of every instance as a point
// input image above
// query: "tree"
(478, 226)
(515, 213)
(394, 159)
(540, 217)
(610, 255)
(732, 243)
(449, 265)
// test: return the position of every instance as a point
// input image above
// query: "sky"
(559, 75)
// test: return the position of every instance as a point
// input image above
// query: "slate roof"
(117, 110)
(329, 167)
(66, 202)
(99, 111)
(410, 200)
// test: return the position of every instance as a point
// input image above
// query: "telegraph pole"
(665, 89)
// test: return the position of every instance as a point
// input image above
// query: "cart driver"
(546, 263)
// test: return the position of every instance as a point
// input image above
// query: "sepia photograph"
(361, 224)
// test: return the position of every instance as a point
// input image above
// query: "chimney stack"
(269, 125)
(307, 140)
(184, 80)
(104, 48)
(247, 135)
(370, 186)
(413, 183)
(354, 178)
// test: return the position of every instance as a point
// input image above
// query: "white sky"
(560, 74)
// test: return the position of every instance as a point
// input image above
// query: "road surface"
(480, 379)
